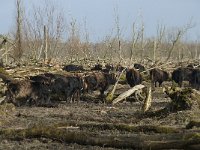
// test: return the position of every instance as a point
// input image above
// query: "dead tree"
(18, 49)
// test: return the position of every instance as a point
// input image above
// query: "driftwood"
(127, 93)
(133, 141)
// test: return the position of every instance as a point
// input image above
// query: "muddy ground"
(89, 111)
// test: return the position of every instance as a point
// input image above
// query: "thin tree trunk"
(45, 44)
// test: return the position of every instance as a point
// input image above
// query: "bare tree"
(45, 51)
(118, 34)
(86, 44)
(142, 41)
(135, 39)
(18, 49)
(51, 17)
(73, 42)
(158, 41)
(175, 38)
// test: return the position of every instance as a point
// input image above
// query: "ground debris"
(134, 141)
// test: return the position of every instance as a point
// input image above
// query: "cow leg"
(180, 84)
(160, 83)
(76, 96)
(155, 84)
(72, 96)
(71, 99)
(102, 92)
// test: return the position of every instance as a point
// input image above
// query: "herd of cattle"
(45, 88)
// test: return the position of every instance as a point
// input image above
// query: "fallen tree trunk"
(123, 127)
(133, 141)
(128, 127)
(127, 93)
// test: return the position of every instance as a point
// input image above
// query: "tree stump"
(182, 98)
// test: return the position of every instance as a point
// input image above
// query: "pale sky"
(100, 15)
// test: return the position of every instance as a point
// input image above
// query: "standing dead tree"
(158, 41)
(86, 45)
(138, 42)
(36, 41)
(18, 49)
(175, 38)
(118, 35)
(135, 38)
(45, 51)
(1, 46)
(73, 42)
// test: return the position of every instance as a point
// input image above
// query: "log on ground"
(127, 93)
(133, 141)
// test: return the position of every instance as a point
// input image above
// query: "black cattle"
(76, 87)
(195, 79)
(67, 88)
(99, 81)
(97, 67)
(27, 92)
(182, 74)
(41, 78)
(108, 68)
(190, 66)
(133, 77)
(46, 77)
(62, 87)
(158, 75)
(72, 67)
(139, 67)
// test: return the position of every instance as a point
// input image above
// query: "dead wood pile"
(182, 98)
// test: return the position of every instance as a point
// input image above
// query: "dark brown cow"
(195, 79)
(133, 77)
(182, 74)
(62, 87)
(72, 67)
(98, 81)
(40, 89)
(158, 75)
(41, 78)
(139, 67)
(97, 67)
(108, 68)
(27, 92)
